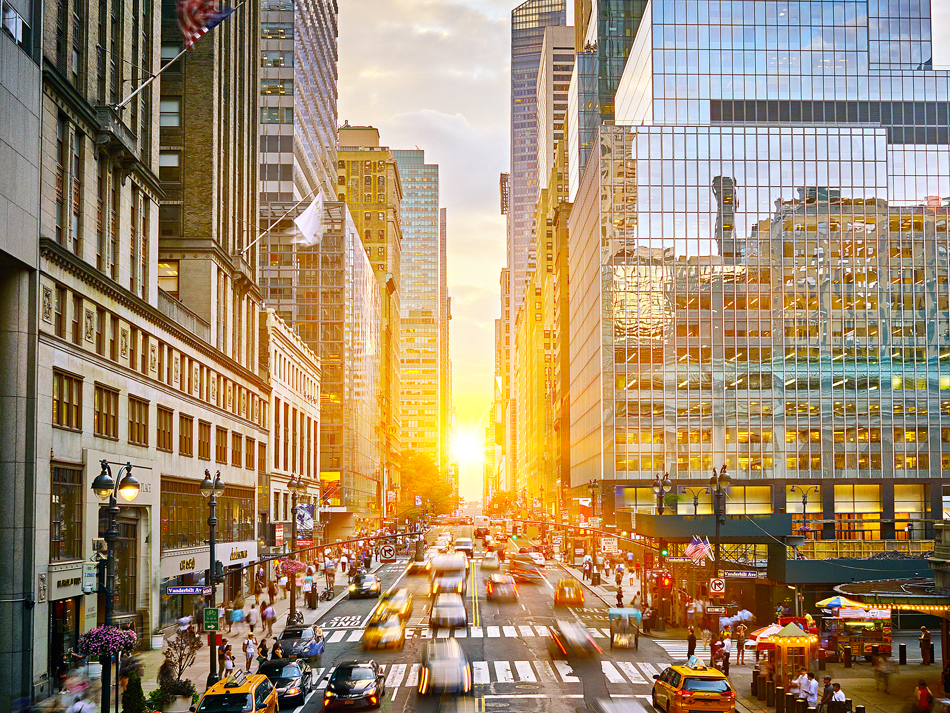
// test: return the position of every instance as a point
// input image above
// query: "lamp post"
(718, 484)
(212, 490)
(296, 486)
(696, 492)
(805, 490)
(661, 486)
(106, 488)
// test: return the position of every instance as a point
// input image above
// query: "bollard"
(822, 663)
(756, 655)
(780, 699)
(848, 704)
(902, 654)
(801, 705)
(859, 709)
(811, 709)
(755, 683)
(770, 693)
(761, 688)
(875, 650)
(790, 699)
(847, 657)
(931, 653)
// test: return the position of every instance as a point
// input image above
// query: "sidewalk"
(198, 671)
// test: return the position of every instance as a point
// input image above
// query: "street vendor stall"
(794, 650)
(625, 628)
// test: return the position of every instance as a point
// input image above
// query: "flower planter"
(181, 704)
(158, 641)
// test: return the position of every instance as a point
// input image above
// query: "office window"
(163, 430)
(186, 435)
(170, 112)
(138, 421)
(204, 440)
(169, 166)
(66, 506)
(237, 443)
(106, 412)
(262, 457)
(67, 400)
(76, 331)
(59, 312)
(101, 331)
(221, 445)
(250, 451)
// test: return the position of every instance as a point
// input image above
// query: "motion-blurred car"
(355, 684)
(302, 642)
(568, 592)
(292, 679)
(445, 668)
(679, 689)
(363, 586)
(524, 569)
(490, 561)
(396, 601)
(538, 559)
(387, 631)
(465, 544)
(448, 612)
(501, 536)
(501, 587)
(571, 638)
(448, 581)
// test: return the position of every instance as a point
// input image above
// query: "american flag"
(697, 549)
(196, 17)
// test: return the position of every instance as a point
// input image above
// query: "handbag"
(260, 659)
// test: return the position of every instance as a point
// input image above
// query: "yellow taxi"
(568, 591)
(384, 630)
(240, 693)
(694, 687)
(397, 601)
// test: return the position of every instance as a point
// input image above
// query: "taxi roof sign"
(236, 679)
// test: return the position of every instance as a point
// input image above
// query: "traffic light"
(664, 551)
(218, 571)
(664, 585)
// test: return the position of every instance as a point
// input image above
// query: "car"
(385, 631)
(449, 581)
(571, 638)
(465, 544)
(292, 679)
(678, 689)
(241, 693)
(397, 601)
(501, 536)
(445, 668)
(303, 642)
(524, 569)
(364, 586)
(568, 592)
(448, 612)
(501, 586)
(480, 532)
(488, 542)
(355, 684)
(538, 559)
(490, 561)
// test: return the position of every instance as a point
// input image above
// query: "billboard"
(305, 515)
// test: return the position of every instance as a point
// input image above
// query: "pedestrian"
(706, 636)
(812, 694)
(826, 695)
(262, 652)
(276, 652)
(726, 652)
(237, 615)
(344, 561)
(923, 698)
(924, 646)
(647, 613)
(228, 661)
(715, 653)
(284, 583)
(253, 616)
(250, 648)
(741, 631)
(258, 591)
(270, 616)
(222, 650)
(837, 703)
(945, 679)
(690, 643)
(619, 596)
(586, 574)
(797, 687)
(272, 591)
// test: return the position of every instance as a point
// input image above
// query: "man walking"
(726, 653)
(826, 695)
(924, 645)
(812, 694)
(690, 643)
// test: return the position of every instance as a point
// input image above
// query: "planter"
(158, 641)
(181, 704)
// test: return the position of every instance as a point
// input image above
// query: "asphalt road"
(507, 644)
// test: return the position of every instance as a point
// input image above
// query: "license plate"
(349, 703)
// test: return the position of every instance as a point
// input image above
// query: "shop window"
(66, 509)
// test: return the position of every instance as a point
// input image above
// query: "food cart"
(794, 650)
(625, 628)
(861, 629)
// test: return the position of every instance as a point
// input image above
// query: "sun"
(467, 449)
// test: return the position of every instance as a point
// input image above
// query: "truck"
(480, 522)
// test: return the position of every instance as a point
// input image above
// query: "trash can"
(594, 578)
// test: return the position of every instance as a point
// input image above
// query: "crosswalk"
(421, 630)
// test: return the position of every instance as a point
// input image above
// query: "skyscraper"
(759, 261)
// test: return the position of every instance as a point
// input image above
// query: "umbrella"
(765, 631)
(839, 602)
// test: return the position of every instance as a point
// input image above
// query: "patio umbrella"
(765, 631)
(839, 602)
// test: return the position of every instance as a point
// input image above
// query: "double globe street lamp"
(212, 489)
(718, 485)
(108, 488)
(297, 487)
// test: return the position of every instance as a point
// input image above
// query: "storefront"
(65, 617)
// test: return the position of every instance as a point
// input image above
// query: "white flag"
(310, 223)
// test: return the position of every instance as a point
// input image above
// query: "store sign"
(237, 555)
(279, 534)
(187, 565)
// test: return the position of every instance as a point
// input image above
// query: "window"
(100, 331)
(168, 277)
(106, 412)
(277, 115)
(169, 166)
(204, 440)
(138, 421)
(114, 339)
(278, 87)
(186, 435)
(66, 506)
(277, 58)
(76, 322)
(221, 445)
(185, 514)
(59, 309)
(277, 30)
(237, 443)
(170, 112)
(262, 457)
(163, 431)
(250, 449)
(67, 400)
(170, 50)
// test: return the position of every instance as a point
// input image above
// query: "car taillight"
(372, 699)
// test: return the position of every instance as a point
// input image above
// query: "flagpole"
(286, 213)
(118, 107)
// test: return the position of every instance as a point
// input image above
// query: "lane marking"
(337, 636)
(545, 672)
(412, 680)
(612, 674)
(460, 633)
(355, 636)
(564, 668)
(493, 632)
(632, 673)
(323, 683)
(480, 672)
(503, 672)
(476, 632)
(510, 631)
(526, 630)
(396, 674)
(542, 630)
(648, 669)
(525, 672)
(443, 633)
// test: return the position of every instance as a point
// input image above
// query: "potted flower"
(106, 641)
(181, 691)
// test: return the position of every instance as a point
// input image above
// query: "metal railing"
(828, 549)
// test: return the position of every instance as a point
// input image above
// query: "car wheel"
(655, 704)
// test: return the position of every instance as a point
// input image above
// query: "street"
(506, 644)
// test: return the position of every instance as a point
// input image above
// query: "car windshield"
(351, 675)
(706, 685)
(278, 671)
(365, 579)
(296, 634)
(227, 703)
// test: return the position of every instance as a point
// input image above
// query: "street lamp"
(296, 487)
(661, 487)
(106, 488)
(718, 484)
(212, 489)
(696, 492)
(805, 490)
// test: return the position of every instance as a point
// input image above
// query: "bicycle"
(295, 619)
(327, 595)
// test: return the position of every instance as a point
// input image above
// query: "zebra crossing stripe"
(356, 635)
(493, 632)
(323, 683)
(337, 636)
(632, 673)
(460, 633)
(596, 633)
(316, 674)
(612, 674)
(525, 672)
(477, 632)
(425, 634)
(545, 672)
(564, 668)
(480, 672)
(503, 672)
(510, 631)
(526, 630)
(443, 633)
(648, 669)
(543, 631)
(396, 674)
(410, 633)
(412, 680)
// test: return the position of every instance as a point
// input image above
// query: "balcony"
(183, 317)
(115, 138)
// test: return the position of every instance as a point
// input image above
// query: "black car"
(303, 642)
(364, 585)
(524, 569)
(355, 684)
(292, 679)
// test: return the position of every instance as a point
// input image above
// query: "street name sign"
(678, 560)
(740, 574)
(204, 591)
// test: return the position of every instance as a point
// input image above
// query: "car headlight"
(375, 586)
(292, 691)
(352, 587)
(330, 694)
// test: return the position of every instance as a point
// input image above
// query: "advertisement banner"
(305, 525)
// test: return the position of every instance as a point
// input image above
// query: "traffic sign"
(715, 610)
(609, 545)
(205, 591)
(717, 586)
(387, 553)
(740, 574)
(211, 621)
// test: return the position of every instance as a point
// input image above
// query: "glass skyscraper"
(759, 269)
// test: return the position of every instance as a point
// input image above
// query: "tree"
(133, 700)
(500, 503)
(421, 477)
(180, 652)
